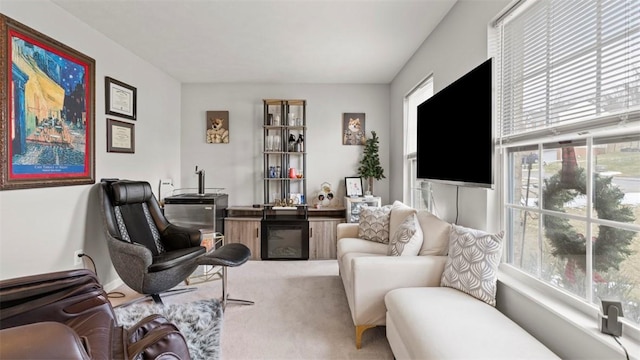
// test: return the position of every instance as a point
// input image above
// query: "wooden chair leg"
(359, 330)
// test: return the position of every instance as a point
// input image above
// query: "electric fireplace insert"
(285, 233)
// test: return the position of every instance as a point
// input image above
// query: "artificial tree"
(370, 167)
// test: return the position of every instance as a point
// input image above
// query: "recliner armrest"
(177, 237)
(43, 340)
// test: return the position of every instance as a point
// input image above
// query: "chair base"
(236, 301)
(156, 297)
(225, 295)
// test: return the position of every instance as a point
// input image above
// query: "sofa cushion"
(442, 323)
(435, 234)
(374, 223)
(347, 262)
(472, 263)
(348, 245)
(399, 212)
(407, 239)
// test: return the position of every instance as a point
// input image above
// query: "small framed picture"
(120, 98)
(120, 136)
(217, 127)
(353, 186)
(353, 129)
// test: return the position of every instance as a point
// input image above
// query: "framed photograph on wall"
(217, 127)
(353, 186)
(120, 98)
(47, 117)
(121, 136)
(353, 129)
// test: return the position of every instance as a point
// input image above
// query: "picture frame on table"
(120, 98)
(353, 186)
(120, 137)
(47, 118)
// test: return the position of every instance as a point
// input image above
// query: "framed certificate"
(120, 136)
(120, 99)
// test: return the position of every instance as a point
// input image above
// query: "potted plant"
(370, 168)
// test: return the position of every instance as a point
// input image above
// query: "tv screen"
(455, 132)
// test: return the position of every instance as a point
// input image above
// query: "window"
(417, 192)
(568, 113)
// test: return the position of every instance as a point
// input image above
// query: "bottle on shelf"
(300, 143)
(292, 143)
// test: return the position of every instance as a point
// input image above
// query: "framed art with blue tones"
(47, 123)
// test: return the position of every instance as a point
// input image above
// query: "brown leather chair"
(66, 315)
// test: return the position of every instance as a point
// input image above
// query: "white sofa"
(424, 320)
(368, 273)
(445, 323)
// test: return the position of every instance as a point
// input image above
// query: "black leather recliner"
(149, 254)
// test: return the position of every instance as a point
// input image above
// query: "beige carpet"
(300, 312)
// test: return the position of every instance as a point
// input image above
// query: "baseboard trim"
(109, 287)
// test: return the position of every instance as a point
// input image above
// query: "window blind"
(568, 66)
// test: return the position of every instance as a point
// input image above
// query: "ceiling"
(266, 41)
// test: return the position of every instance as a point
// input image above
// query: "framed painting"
(217, 127)
(353, 129)
(120, 98)
(120, 136)
(353, 186)
(47, 117)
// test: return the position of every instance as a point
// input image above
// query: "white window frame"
(421, 92)
(621, 122)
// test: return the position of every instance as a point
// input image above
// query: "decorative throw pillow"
(407, 239)
(436, 234)
(374, 224)
(399, 212)
(472, 263)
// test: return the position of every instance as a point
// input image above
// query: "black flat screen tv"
(455, 143)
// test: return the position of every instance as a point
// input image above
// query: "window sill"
(573, 311)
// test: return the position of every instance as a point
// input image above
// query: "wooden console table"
(243, 225)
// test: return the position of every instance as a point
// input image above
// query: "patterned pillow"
(374, 224)
(472, 263)
(407, 239)
(399, 212)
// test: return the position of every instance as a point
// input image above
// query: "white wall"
(41, 228)
(237, 166)
(456, 46)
